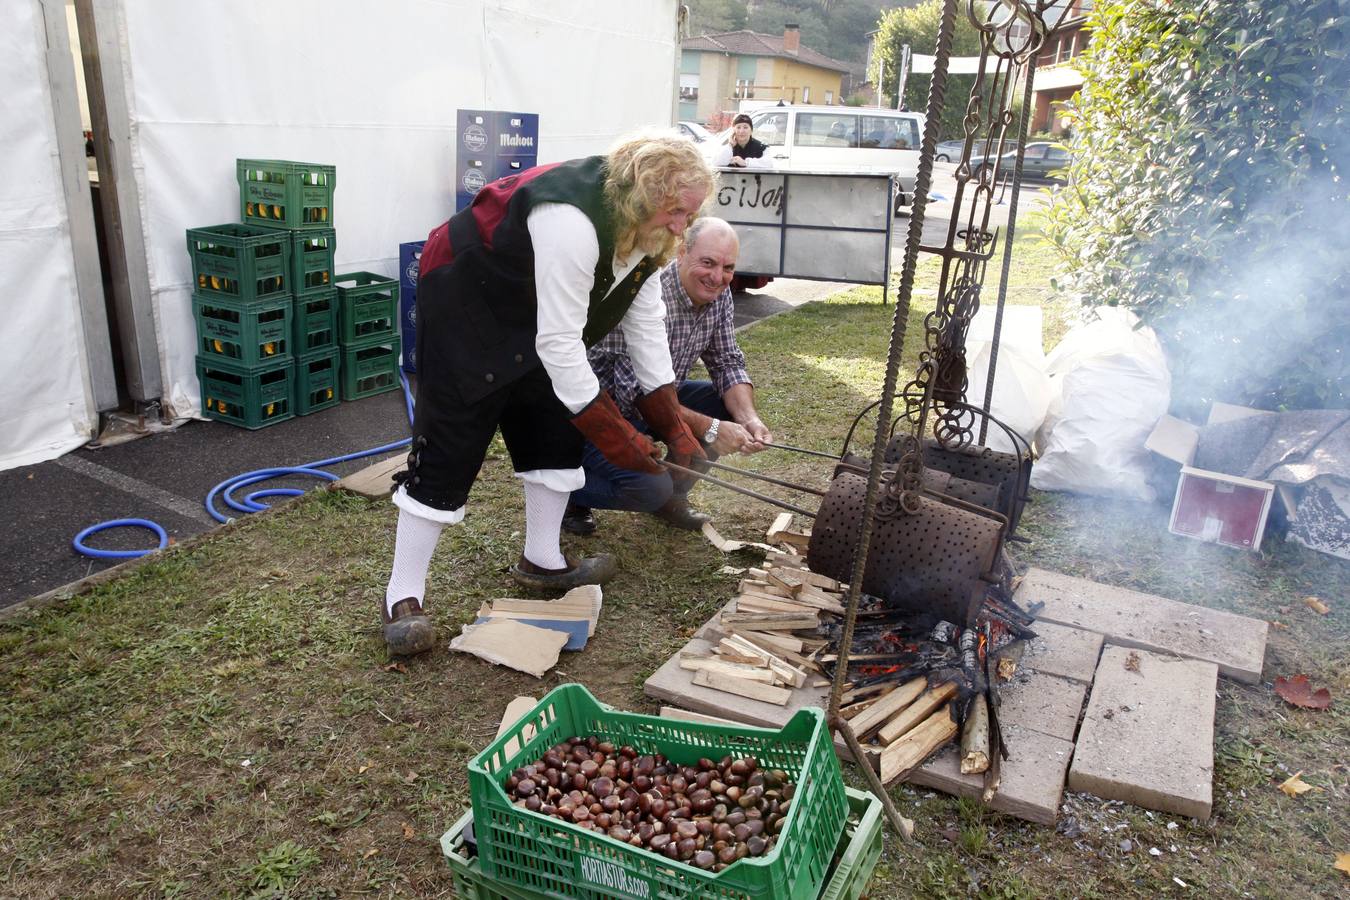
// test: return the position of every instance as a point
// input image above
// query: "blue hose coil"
(225, 490)
(78, 542)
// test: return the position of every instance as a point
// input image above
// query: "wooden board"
(753, 690)
(1236, 644)
(374, 481)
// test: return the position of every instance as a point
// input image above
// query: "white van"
(843, 138)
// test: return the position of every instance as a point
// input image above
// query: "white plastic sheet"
(1110, 385)
(372, 89)
(45, 405)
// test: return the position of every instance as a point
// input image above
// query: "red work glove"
(613, 436)
(661, 410)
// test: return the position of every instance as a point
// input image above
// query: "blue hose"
(78, 542)
(225, 490)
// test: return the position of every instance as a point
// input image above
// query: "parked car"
(694, 131)
(1043, 161)
(842, 139)
(949, 151)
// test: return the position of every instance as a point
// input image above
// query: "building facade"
(1057, 77)
(719, 71)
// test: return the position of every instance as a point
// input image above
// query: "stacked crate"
(242, 305)
(296, 199)
(368, 333)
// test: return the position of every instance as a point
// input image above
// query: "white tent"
(370, 88)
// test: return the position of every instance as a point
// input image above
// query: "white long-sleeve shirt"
(566, 250)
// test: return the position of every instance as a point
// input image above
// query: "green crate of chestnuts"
(731, 812)
(855, 857)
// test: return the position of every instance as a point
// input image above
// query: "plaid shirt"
(707, 333)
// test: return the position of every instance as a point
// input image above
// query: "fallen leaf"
(408, 832)
(1294, 785)
(1297, 691)
(371, 852)
(1132, 662)
(1316, 605)
(1343, 862)
(1274, 623)
(396, 667)
(362, 770)
(1284, 609)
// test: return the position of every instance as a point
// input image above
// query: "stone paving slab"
(1237, 644)
(1045, 703)
(1033, 775)
(1148, 734)
(1060, 650)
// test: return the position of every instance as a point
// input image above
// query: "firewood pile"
(914, 683)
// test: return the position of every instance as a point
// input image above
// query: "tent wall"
(373, 89)
(47, 406)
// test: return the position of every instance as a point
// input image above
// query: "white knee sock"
(413, 547)
(544, 508)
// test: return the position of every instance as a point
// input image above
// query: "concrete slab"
(1148, 734)
(1045, 703)
(1060, 650)
(1033, 776)
(1236, 644)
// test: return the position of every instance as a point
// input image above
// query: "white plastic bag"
(1109, 386)
(1021, 386)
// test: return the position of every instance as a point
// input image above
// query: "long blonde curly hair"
(645, 174)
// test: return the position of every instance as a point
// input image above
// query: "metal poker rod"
(801, 450)
(738, 489)
(778, 481)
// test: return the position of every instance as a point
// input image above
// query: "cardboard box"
(492, 144)
(1211, 506)
(1221, 509)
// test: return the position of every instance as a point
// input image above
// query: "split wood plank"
(1236, 644)
(736, 653)
(770, 621)
(374, 481)
(785, 580)
(824, 582)
(752, 689)
(752, 603)
(763, 586)
(914, 747)
(790, 560)
(763, 675)
(919, 710)
(888, 706)
(771, 641)
(782, 522)
(794, 676)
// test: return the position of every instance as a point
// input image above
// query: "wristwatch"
(711, 434)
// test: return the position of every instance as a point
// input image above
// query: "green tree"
(918, 26)
(715, 16)
(1209, 192)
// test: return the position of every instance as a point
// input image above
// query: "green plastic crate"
(315, 322)
(285, 194)
(241, 262)
(855, 857)
(368, 306)
(247, 333)
(312, 259)
(369, 367)
(317, 382)
(556, 858)
(248, 396)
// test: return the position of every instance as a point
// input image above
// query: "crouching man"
(699, 325)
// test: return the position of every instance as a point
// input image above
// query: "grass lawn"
(222, 720)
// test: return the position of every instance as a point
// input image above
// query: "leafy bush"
(1209, 191)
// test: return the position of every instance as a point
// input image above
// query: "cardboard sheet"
(513, 644)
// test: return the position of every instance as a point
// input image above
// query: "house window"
(806, 95)
(688, 87)
(745, 89)
(829, 98)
